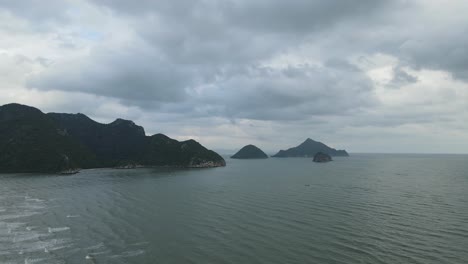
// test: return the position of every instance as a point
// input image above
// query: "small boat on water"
(69, 172)
(127, 166)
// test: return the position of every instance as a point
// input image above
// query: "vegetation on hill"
(250, 152)
(309, 148)
(31, 141)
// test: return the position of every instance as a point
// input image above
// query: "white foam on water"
(16, 216)
(73, 216)
(12, 226)
(59, 247)
(139, 244)
(58, 229)
(31, 261)
(98, 246)
(32, 206)
(19, 237)
(129, 254)
(90, 258)
(50, 245)
(100, 253)
(29, 236)
(34, 200)
(29, 198)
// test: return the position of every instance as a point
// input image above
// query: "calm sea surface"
(361, 209)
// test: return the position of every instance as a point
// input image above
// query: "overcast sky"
(366, 76)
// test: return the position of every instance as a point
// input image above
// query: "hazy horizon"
(370, 76)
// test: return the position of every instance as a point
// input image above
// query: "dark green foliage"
(118, 143)
(250, 152)
(31, 141)
(163, 150)
(309, 148)
(121, 143)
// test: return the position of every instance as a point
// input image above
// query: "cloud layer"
(372, 76)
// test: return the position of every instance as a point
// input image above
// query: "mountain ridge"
(309, 148)
(32, 141)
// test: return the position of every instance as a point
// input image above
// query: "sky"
(380, 76)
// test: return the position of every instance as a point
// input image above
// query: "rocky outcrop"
(208, 164)
(250, 152)
(322, 157)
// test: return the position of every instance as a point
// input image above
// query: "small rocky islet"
(250, 152)
(309, 148)
(321, 157)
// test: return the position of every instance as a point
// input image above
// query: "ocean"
(367, 208)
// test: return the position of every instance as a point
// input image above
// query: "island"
(310, 148)
(322, 157)
(250, 152)
(32, 141)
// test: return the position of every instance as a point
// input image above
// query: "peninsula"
(32, 141)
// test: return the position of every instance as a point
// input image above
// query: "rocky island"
(322, 157)
(32, 141)
(250, 152)
(310, 148)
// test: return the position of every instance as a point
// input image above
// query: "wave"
(58, 229)
(73, 216)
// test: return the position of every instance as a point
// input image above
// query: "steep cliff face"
(309, 148)
(250, 152)
(31, 141)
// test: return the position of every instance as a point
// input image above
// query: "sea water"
(367, 208)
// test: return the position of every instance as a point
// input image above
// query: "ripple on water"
(58, 229)
(288, 211)
(34, 243)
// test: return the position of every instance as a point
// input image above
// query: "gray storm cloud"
(222, 46)
(334, 66)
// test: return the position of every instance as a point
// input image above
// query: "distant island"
(250, 152)
(31, 141)
(310, 148)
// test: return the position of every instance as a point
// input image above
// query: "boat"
(69, 172)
